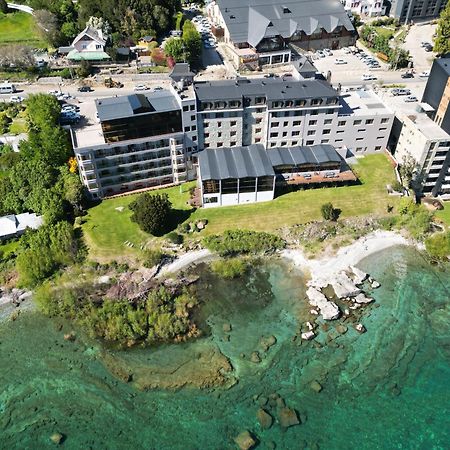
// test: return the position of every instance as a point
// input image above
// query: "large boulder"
(359, 275)
(245, 440)
(264, 418)
(288, 417)
(329, 310)
(343, 286)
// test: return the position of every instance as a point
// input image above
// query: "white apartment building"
(286, 113)
(136, 141)
(429, 145)
(368, 8)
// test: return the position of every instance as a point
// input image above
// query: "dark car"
(407, 75)
(85, 89)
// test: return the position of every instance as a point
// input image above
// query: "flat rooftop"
(362, 102)
(426, 126)
(271, 88)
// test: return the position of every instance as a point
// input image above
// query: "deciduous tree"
(152, 213)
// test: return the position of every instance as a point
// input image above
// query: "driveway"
(210, 57)
(417, 34)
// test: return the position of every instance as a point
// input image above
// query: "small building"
(15, 225)
(235, 176)
(89, 45)
(182, 72)
(145, 41)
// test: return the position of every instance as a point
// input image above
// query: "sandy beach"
(324, 269)
(192, 257)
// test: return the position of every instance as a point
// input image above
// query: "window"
(385, 120)
(219, 134)
(359, 149)
(98, 46)
(192, 118)
(314, 113)
(260, 100)
(233, 123)
(296, 133)
(206, 125)
(220, 144)
(297, 123)
(191, 107)
(380, 137)
(378, 147)
(186, 129)
(273, 135)
(247, 184)
(230, 186)
(369, 121)
(309, 142)
(258, 140)
(316, 101)
(233, 143)
(265, 183)
(275, 124)
(359, 139)
(327, 131)
(272, 144)
(286, 10)
(294, 143)
(194, 138)
(185, 108)
(206, 135)
(324, 141)
(361, 130)
(211, 200)
(284, 134)
(194, 127)
(341, 123)
(283, 143)
(285, 124)
(219, 115)
(327, 121)
(313, 122)
(338, 140)
(259, 120)
(257, 130)
(339, 131)
(219, 124)
(311, 132)
(383, 129)
(357, 122)
(232, 133)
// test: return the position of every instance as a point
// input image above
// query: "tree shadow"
(177, 216)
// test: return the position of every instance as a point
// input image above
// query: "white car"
(411, 99)
(339, 61)
(424, 74)
(54, 92)
(368, 77)
(140, 87)
(16, 99)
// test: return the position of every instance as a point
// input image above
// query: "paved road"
(417, 34)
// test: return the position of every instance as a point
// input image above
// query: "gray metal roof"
(130, 105)
(297, 156)
(252, 20)
(236, 162)
(181, 70)
(271, 88)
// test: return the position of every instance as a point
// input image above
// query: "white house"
(89, 45)
(15, 225)
(368, 8)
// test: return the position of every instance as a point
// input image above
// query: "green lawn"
(20, 28)
(106, 228)
(18, 126)
(444, 215)
(385, 31)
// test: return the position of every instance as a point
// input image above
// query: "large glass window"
(211, 186)
(247, 184)
(265, 183)
(230, 186)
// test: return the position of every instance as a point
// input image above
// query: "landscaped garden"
(107, 226)
(20, 28)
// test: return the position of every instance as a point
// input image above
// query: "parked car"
(54, 92)
(407, 75)
(424, 74)
(16, 99)
(85, 89)
(328, 52)
(411, 99)
(368, 77)
(140, 87)
(158, 88)
(340, 61)
(397, 91)
(320, 54)
(347, 50)
(428, 48)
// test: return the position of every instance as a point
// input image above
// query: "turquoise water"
(388, 388)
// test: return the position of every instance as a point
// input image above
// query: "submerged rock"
(255, 358)
(316, 386)
(288, 417)
(227, 327)
(308, 335)
(264, 418)
(267, 342)
(341, 329)
(245, 440)
(57, 438)
(361, 298)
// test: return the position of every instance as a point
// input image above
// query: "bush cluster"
(235, 242)
(230, 267)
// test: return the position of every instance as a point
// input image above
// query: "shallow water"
(388, 388)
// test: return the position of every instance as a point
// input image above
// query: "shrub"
(235, 242)
(329, 212)
(175, 238)
(152, 257)
(397, 186)
(438, 245)
(229, 268)
(152, 213)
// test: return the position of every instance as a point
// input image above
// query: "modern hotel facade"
(140, 141)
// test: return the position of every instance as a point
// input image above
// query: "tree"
(3, 6)
(85, 69)
(152, 213)
(407, 169)
(174, 47)
(48, 23)
(16, 56)
(42, 111)
(399, 58)
(192, 41)
(329, 212)
(442, 41)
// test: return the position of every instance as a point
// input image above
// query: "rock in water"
(264, 418)
(341, 329)
(227, 327)
(255, 357)
(57, 438)
(361, 298)
(329, 310)
(360, 276)
(375, 284)
(245, 440)
(316, 386)
(288, 417)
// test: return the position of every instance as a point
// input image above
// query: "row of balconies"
(135, 177)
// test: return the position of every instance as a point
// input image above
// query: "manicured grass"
(106, 228)
(384, 31)
(444, 214)
(18, 126)
(20, 28)
(374, 172)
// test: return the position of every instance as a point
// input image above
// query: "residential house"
(15, 225)
(89, 45)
